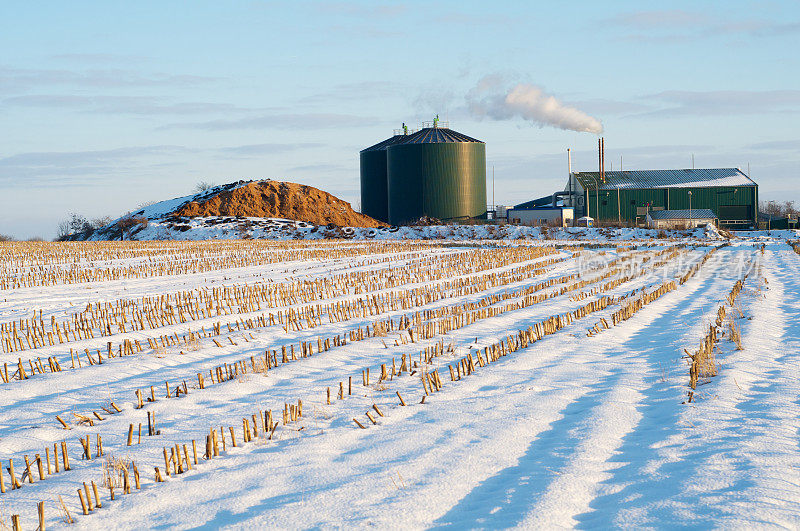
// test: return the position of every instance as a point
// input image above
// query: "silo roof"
(381, 146)
(437, 135)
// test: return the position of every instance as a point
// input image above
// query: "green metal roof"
(689, 178)
(381, 146)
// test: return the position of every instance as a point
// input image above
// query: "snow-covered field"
(558, 413)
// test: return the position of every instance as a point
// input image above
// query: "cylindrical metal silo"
(374, 187)
(436, 172)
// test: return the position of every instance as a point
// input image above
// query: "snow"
(736, 179)
(572, 431)
(226, 228)
(767, 235)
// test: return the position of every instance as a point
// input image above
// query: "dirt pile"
(277, 199)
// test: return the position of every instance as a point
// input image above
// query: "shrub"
(128, 223)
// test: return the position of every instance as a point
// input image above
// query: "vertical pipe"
(569, 179)
(603, 157)
(599, 157)
(599, 177)
(603, 165)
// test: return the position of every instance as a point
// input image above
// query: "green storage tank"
(374, 186)
(436, 172)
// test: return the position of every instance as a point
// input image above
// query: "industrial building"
(628, 196)
(434, 172)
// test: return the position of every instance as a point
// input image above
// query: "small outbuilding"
(550, 216)
(771, 221)
(680, 219)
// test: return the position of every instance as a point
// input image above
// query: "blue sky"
(106, 105)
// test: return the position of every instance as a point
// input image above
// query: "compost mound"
(278, 199)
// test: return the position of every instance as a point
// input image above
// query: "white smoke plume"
(529, 102)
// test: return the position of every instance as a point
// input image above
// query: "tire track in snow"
(579, 461)
(758, 410)
(673, 475)
(601, 452)
(503, 499)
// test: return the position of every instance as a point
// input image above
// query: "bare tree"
(63, 230)
(99, 223)
(202, 186)
(775, 208)
(78, 223)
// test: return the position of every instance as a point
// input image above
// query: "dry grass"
(707, 363)
(3, 513)
(399, 484)
(193, 344)
(725, 234)
(114, 469)
(261, 367)
(734, 334)
(66, 518)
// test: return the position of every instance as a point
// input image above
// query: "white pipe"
(569, 160)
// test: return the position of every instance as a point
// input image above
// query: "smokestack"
(603, 157)
(599, 158)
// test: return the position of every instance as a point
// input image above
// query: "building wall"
(781, 223)
(541, 216)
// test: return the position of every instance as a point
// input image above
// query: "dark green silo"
(374, 187)
(436, 172)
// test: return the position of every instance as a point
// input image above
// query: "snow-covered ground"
(227, 228)
(577, 429)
